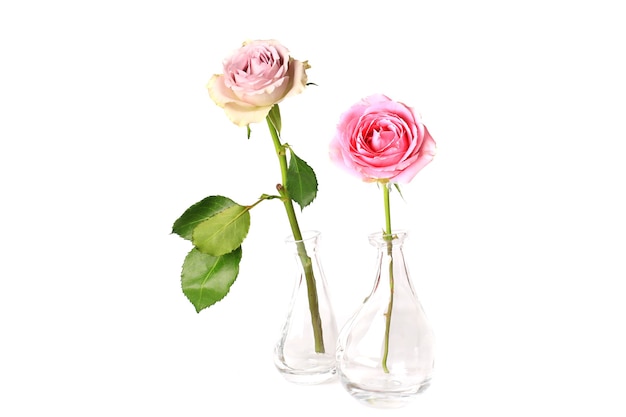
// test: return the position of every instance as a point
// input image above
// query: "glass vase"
(385, 351)
(305, 352)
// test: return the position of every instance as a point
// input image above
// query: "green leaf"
(399, 190)
(198, 213)
(223, 232)
(301, 181)
(207, 279)
(274, 117)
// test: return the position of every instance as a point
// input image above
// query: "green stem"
(307, 265)
(387, 208)
(389, 238)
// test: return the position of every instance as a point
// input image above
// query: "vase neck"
(391, 263)
(308, 243)
(382, 240)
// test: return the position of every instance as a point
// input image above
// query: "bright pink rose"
(381, 139)
(258, 75)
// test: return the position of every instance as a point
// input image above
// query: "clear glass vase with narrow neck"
(385, 353)
(305, 351)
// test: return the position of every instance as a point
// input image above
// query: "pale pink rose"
(381, 139)
(258, 75)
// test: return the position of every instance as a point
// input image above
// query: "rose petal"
(218, 92)
(426, 154)
(243, 115)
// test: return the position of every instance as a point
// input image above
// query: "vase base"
(385, 398)
(308, 377)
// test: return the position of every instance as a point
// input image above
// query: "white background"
(517, 245)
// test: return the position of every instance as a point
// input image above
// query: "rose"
(258, 75)
(381, 139)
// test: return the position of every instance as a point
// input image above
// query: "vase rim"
(397, 235)
(403, 232)
(307, 235)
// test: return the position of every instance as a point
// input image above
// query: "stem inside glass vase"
(316, 321)
(388, 237)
